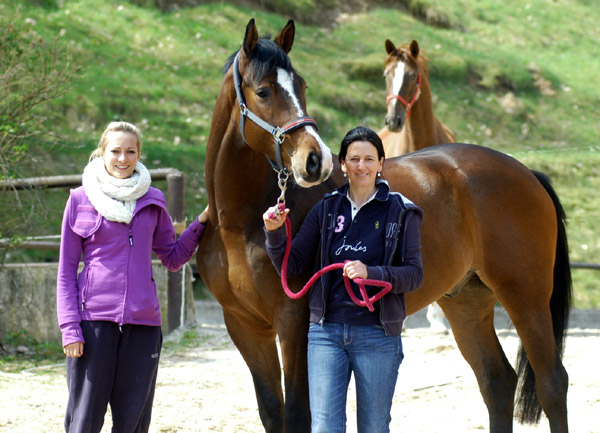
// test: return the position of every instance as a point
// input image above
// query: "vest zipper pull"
(130, 240)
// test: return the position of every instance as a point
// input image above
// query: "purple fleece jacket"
(116, 283)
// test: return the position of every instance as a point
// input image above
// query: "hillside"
(162, 71)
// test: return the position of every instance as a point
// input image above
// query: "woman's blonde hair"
(119, 126)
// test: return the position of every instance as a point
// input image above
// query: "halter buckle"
(282, 177)
(279, 135)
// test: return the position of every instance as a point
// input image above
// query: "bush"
(34, 72)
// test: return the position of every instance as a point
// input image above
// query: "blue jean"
(335, 352)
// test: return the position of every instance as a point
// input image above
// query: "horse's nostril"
(394, 124)
(313, 164)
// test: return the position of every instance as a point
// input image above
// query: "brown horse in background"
(493, 231)
(410, 122)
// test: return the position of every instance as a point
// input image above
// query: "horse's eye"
(263, 93)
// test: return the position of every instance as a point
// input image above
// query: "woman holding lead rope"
(376, 233)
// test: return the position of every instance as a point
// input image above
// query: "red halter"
(410, 104)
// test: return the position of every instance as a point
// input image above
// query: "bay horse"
(410, 122)
(493, 231)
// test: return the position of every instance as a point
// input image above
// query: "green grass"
(162, 71)
(187, 339)
(19, 352)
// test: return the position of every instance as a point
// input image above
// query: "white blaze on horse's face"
(397, 81)
(285, 79)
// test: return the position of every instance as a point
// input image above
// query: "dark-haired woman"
(376, 232)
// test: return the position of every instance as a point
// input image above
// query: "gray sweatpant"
(118, 367)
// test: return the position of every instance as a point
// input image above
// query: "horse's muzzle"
(394, 123)
(313, 167)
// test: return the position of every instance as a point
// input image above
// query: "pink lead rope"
(366, 302)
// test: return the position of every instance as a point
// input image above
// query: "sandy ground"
(209, 389)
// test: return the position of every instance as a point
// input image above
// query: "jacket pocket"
(155, 291)
(85, 286)
(85, 220)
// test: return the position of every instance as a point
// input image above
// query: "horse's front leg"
(257, 345)
(292, 328)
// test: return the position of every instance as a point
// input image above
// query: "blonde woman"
(109, 313)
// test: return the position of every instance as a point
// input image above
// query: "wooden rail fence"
(175, 204)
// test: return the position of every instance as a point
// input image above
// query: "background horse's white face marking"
(286, 80)
(398, 80)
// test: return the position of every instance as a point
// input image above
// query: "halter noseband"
(410, 104)
(278, 133)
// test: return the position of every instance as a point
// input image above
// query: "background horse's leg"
(256, 343)
(471, 316)
(292, 325)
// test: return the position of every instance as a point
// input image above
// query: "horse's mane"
(266, 58)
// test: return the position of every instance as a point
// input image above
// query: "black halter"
(277, 132)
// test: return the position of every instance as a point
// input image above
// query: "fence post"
(175, 285)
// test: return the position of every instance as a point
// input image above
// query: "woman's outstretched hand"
(274, 218)
(203, 217)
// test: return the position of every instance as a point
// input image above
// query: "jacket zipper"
(130, 239)
(391, 260)
(323, 230)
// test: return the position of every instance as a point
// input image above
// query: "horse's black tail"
(529, 409)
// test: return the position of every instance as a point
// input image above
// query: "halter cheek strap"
(277, 132)
(407, 104)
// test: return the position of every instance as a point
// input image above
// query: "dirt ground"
(209, 389)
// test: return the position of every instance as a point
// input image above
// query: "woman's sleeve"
(67, 305)
(174, 253)
(305, 244)
(408, 276)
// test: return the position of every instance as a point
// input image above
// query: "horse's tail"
(529, 409)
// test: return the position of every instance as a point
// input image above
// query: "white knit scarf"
(112, 197)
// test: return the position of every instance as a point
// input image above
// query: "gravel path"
(209, 389)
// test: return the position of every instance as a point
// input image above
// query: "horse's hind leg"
(533, 322)
(471, 316)
(259, 350)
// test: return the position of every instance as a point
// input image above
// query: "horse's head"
(403, 75)
(273, 118)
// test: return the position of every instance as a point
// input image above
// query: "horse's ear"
(414, 49)
(389, 46)
(250, 38)
(285, 39)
